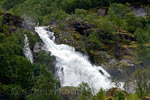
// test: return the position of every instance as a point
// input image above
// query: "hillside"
(112, 34)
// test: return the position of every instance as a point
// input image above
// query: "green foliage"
(33, 39)
(100, 95)
(141, 36)
(143, 51)
(119, 96)
(58, 15)
(46, 87)
(46, 59)
(85, 92)
(81, 13)
(13, 91)
(143, 86)
(118, 11)
(22, 69)
(133, 22)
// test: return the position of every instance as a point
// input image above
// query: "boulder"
(69, 93)
(146, 98)
(102, 11)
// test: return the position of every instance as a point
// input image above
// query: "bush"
(81, 13)
(133, 22)
(100, 95)
(12, 91)
(47, 59)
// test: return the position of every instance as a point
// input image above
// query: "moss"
(76, 35)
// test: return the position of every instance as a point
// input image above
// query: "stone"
(69, 93)
(102, 12)
(146, 98)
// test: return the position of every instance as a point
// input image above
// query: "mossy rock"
(112, 92)
(146, 98)
(109, 98)
(69, 92)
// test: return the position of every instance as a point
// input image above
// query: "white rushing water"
(73, 68)
(27, 51)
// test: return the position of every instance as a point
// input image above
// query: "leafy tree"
(118, 11)
(46, 59)
(100, 95)
(81, 13)
(133, 22)
(141, 36)
(12, 91)
(46, 87)
(22, 70)
(85, 92)
(143, 86)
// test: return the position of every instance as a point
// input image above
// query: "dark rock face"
(12, 20)
(82, 27)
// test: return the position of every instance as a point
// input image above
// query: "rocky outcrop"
(29, 23)
(116, 55)
(102, 11)
(139, 11)
(82, 27)
(112, 92)
(69, 93)
(11, 20)
(146, 98)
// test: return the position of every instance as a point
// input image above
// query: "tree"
(46, 59)
(100, 95)
(133, 22)
(141, 36)
(143, 86)
(81, 13)
(85, 92)
(22, 70)
(118, 11)
(46, 87)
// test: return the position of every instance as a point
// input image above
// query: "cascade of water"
(27, 51)
(73, 68)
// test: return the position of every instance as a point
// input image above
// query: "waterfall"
(73, 68)
(27, 51)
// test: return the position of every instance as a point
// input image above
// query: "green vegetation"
(118, 33)
(18, 76)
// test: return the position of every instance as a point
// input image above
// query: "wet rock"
(39, 47)
(139, 11)
(29, 23)
(130, 86)
(102, 11)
